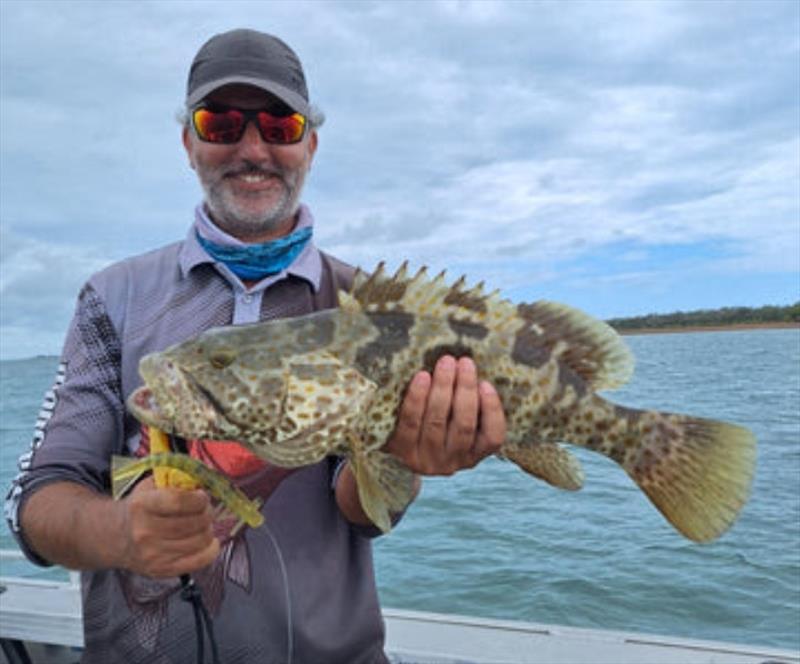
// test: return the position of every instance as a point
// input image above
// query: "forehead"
(243, 96)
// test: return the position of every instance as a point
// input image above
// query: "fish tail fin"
(125, 472)
(385, 486)
(697, 472)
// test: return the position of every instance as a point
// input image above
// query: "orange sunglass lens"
(281, 129)
(218, 126)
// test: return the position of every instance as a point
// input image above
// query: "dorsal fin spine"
(590, 347)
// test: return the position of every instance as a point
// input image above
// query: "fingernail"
(467, 363)
(421, 379)
(486, 388)
(447, 363)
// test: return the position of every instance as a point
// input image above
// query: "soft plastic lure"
(172, 469)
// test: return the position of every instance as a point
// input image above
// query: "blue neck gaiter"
(256, 261)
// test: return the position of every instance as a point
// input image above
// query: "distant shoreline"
(625, 332)
(676, 329)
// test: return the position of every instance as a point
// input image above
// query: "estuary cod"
(330, 383)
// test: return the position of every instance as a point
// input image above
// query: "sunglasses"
(227, 125)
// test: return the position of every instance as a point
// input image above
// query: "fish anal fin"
(697, 472)
(549, 462)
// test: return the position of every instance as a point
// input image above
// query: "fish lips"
(143, 405)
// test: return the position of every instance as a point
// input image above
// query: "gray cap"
(249, 57)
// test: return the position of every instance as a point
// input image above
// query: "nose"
(252, 146)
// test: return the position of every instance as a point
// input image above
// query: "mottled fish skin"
(297, 390)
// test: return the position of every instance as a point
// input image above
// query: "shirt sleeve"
(80, 425)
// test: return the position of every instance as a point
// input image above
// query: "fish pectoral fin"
(385, 486)
(549, 462)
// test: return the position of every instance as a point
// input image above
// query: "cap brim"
(289, 97)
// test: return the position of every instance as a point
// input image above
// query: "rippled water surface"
(493, 542)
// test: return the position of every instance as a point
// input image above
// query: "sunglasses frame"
(250, 115)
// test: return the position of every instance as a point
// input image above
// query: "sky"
(622, 157)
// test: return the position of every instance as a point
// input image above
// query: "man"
(301, 587)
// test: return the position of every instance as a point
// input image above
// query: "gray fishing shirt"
(300, 588)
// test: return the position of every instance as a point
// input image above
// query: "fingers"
(176, 502)
(433, 453)
(448, 421)
(404, 443)
(168, 532)
(492, 431)
(464, 423)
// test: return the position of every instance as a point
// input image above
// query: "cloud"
(39, 282)
(551, 149)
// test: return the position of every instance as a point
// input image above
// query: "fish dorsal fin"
(348, 303)
(422, 295)
(590, 347)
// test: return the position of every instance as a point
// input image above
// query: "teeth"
(253, 177)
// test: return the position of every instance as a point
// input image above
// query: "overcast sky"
(623, 157)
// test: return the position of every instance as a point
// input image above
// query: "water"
(494, 543)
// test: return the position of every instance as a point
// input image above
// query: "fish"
(296, 390)
(125, 471)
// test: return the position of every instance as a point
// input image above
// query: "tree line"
(712, 317)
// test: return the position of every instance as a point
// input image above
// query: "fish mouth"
(174, 401)
(144, 407)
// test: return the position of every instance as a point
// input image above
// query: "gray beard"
(241, 223)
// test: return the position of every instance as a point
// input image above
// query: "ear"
(313, 140)
(187, 145)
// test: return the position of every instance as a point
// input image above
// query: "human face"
(252, 188)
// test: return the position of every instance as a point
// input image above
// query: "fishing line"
(191, 593)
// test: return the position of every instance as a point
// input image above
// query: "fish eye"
(222, 357)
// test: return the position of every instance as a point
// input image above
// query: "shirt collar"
(307, 265)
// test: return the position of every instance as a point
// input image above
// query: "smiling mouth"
(254, 175)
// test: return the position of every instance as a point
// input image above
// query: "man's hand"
(167, 532)
(448, 422)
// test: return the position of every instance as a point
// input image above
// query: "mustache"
(253, 168)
